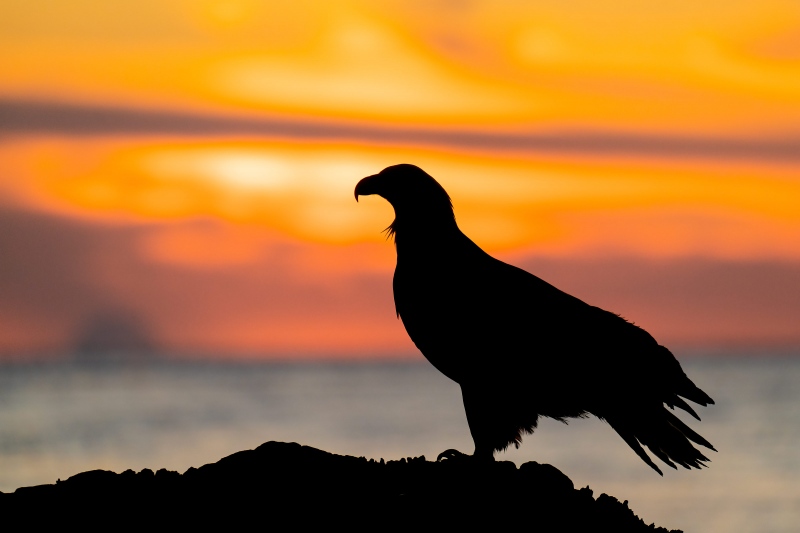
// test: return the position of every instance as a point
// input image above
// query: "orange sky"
(186, 167)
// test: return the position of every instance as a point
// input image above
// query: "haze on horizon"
(181, 173)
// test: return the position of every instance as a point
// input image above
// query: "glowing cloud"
(360, 68)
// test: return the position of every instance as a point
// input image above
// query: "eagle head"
(420, 203)
(409, 189)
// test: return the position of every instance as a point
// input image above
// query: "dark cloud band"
(25, 117)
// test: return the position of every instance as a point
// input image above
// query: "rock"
(301, 487)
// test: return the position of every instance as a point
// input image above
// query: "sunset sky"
(177, 176)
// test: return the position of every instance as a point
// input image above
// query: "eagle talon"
(450, 455)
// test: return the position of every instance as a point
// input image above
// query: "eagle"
(520, 348)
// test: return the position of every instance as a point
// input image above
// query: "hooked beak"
(366, 187)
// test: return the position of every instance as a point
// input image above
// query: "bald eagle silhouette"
(519, 347)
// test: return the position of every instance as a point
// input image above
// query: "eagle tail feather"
(630, 439)
(665, 435)
(688, 432)
(677, 401)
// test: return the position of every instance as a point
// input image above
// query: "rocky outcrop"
(289, 485)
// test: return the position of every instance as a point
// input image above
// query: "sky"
(177, 176)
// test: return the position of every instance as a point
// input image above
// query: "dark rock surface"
(287, 485)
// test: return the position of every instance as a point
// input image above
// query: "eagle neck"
(418, 235)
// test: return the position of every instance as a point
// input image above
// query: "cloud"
(59, 275)
(294, 299)
(23, 117)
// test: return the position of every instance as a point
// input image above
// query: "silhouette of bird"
(519, 347)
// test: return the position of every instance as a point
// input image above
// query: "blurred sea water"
(58, 419)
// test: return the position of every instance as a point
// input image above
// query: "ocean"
(58, 419)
